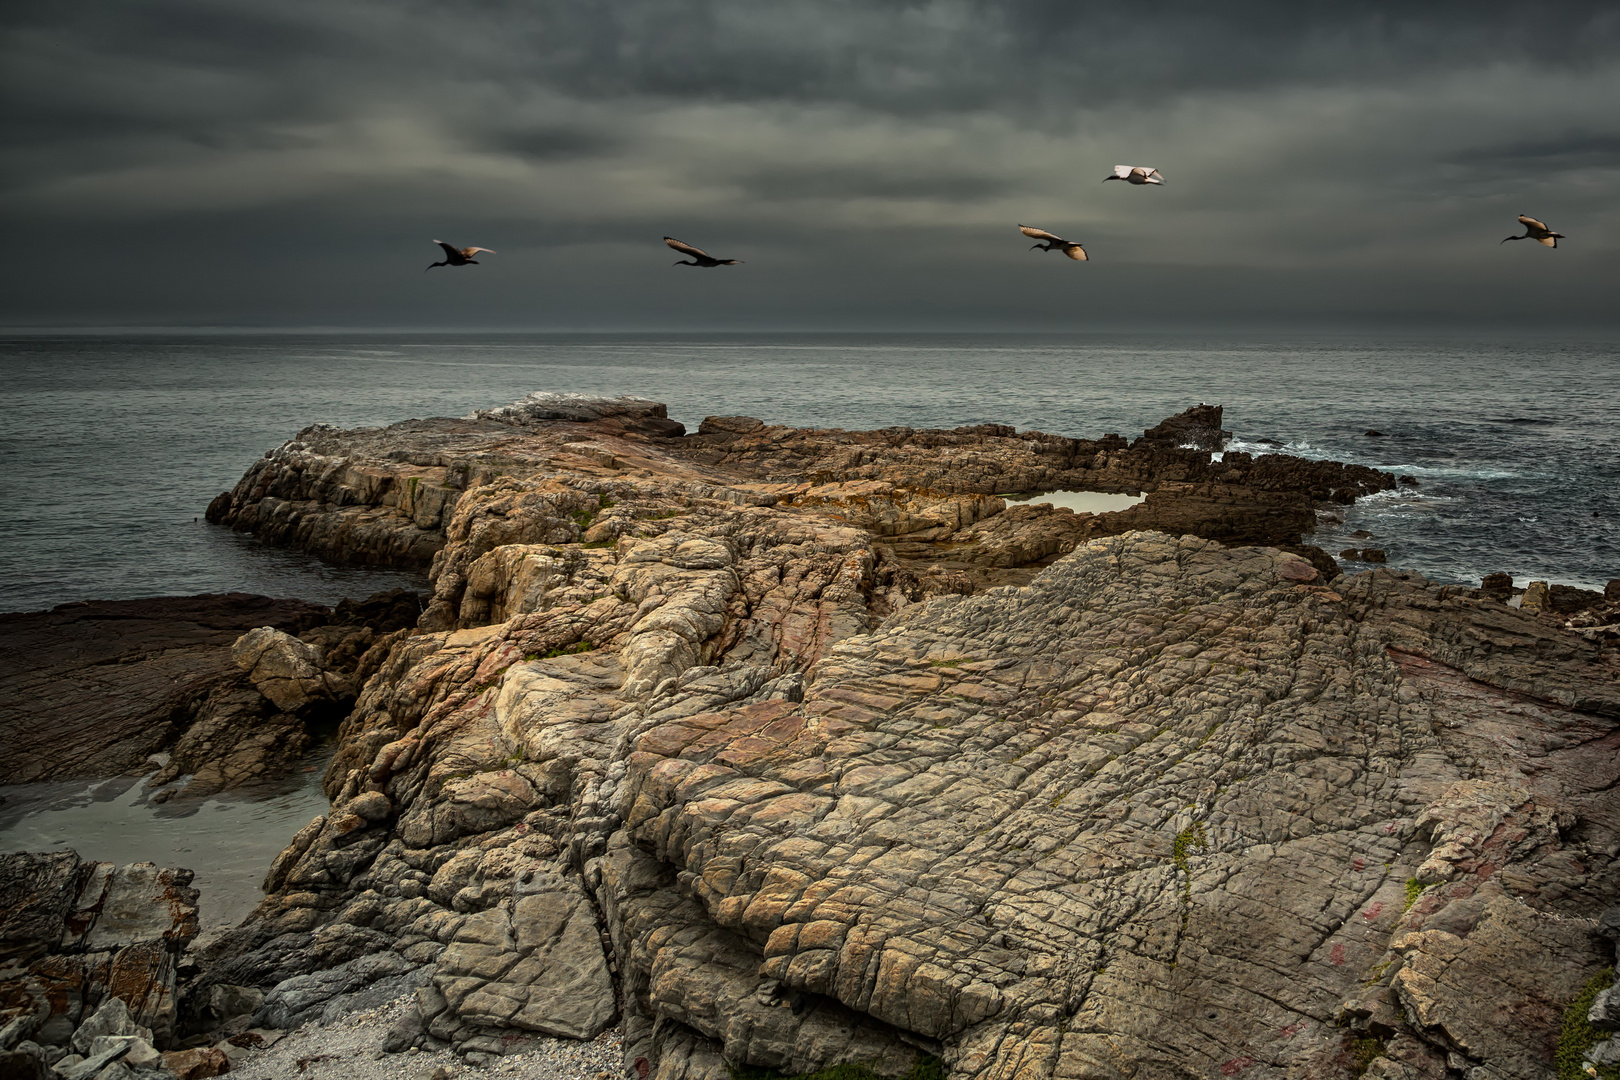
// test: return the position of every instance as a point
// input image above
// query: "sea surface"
(113, 446)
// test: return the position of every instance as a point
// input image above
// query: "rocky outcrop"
(787, 749)
(77, 937)
(397, 496)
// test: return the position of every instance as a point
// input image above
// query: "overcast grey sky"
(288, 162)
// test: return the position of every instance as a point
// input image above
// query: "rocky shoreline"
(781, 748)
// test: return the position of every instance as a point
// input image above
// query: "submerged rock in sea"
(798, 748)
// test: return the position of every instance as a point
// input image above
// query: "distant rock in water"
(1198, 428)
(1374, 434)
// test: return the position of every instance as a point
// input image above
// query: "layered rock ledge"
(787, 748)
(123, 687)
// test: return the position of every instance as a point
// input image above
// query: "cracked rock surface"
(788, 748)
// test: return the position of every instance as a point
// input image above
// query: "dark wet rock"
(1498, 584)
(1373, 433)
(1198, 428)
(93, 689)
(36, 894)
(1567, 599)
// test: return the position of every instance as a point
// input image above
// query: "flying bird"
(1135, 174)
(1535, 230)
(457, 256)
(701, 257)
(1071, 248)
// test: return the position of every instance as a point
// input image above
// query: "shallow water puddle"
(1081, 502)
(227, 840)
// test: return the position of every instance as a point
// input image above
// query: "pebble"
(348, 1050)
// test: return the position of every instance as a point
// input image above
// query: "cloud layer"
(249, 162)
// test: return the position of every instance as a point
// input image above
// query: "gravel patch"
(348, 1050)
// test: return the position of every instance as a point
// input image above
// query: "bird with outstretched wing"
(1053, 242)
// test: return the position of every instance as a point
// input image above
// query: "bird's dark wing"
(1041, 234)
(448, 250)
(686, 249)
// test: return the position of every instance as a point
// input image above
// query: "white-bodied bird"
(457, 256)
(703, 258)
(1135, 174)
(1535, 230)
(1071, 248)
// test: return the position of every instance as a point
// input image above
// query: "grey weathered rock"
(534, 963)
(1605, 1010)
(92, 1064)
(138, 1051)
(328, 994)
(17, 1030)
(111, 1021)
(112, 936)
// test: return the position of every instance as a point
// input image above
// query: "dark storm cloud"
(811, 181)
(1316, 138)
(1573, 151)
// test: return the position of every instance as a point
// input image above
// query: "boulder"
(197, 1064)
(286, 670)
(36, 894)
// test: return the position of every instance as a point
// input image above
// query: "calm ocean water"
(114, 445)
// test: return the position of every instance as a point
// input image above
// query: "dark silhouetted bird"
(1071, 248)
(457, 256)
(1135, 174)
(1535, 230)
(703, 258)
